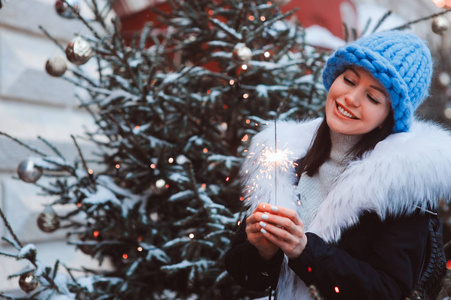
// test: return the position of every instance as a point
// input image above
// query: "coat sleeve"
(245, 265)
(390, 271)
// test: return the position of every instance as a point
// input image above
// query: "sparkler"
(270, 161)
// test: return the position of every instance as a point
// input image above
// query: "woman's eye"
(372, 99)
(348, 81)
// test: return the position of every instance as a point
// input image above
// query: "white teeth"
(344, 112)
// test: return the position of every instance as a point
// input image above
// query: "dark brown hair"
(319, 150)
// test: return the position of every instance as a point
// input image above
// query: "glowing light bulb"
(262, 18)
(118, 166)
(191, 235)
(227, 178)
(90, 171)
(244, 67)
(337, 290)
(232, 82)
(171, 160)
(152, 166)
(251, 18)
(140, 249)
(245, 138)
(267, 54)
(205, 150)
(124, 256)
(245, 95)
(95, 233)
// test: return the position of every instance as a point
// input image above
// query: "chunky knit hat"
(400, 61)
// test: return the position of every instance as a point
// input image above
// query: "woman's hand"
(279, 227)
(255, 236)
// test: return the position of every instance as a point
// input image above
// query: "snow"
(171, 77)
(321, 37)
(227, 29)
(87, 283)
(181, 196)
(262, 90)
(49, 162)
(28, 250)
(229, 161)
(101, 196)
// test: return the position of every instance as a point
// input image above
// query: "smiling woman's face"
(356, 103)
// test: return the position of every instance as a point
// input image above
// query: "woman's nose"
(352, 98)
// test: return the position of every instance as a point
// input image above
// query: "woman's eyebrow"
(372, 86)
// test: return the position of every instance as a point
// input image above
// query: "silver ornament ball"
(78, 51)
(28, 172)
(63, 10)
(242, 54)
(28, 282)
(440, 25)
(56, 66)
(48, 221)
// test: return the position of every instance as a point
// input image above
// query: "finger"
(281, 222)
(279, 210)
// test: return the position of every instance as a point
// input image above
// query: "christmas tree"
(174, 111)
(174, 108)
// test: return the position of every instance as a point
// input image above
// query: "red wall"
(325, 13)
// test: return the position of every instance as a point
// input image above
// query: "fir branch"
(228, 30)
(52, 38)
(189, 168)
(54, 149)
(123, 58)
(75, 11)
(420, 20)
(85, 166)
(12, 243)
(22, 144)
(82, 76)
(5, 221)
(9, 255)
(367, 26)
(98, 16)
(381, 20)
(257, 32)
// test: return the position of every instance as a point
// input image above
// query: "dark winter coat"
(369, 235)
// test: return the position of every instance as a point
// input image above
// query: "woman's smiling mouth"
(345, 112)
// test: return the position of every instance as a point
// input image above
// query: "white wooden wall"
(33, 104)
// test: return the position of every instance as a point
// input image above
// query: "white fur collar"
(403, 172)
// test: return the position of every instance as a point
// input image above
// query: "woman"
(352, 217)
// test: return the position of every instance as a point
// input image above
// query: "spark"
(271, 159)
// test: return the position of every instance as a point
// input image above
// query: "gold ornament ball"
(78, 51)
(28, 172)
(56, 66)
(48, 221)
(241, 53)
(28, 282)
(62, 8)
(440, 25)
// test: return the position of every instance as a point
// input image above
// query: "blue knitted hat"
(400, 61)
